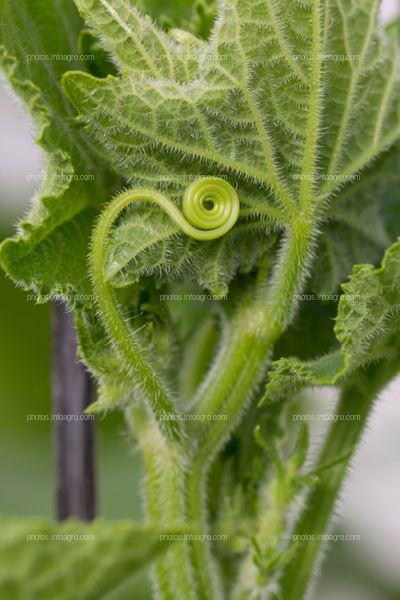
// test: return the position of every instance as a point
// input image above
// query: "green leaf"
(366, 328)
(360, 94)
(246, 110)
(147, 243)
(212, 110)
(38, 43)
(255, 104)
(362, 222)
(43, 560)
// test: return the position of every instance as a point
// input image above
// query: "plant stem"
(237, 373)
(123, 339)
(165, 456)
(247, 363)
(357, 398)
(165, 502)
(74, 440)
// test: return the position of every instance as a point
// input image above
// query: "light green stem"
(210, 209)
(239, 369)
(165, 503)
(228, 389)
(197, 358)
(123, 339)
(357, 397)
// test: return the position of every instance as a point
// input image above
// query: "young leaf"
(147, 243)
(366, 328)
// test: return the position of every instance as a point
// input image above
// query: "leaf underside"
(241, 105)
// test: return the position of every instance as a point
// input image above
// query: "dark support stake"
(74, 439)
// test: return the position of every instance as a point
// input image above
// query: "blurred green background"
(366, 570)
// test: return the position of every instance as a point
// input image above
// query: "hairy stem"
(161, 438)
(123, 339)
(197, 221)
(357, 398)
(237, 372)
(165, 503)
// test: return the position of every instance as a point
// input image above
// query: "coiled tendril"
(210, 209)
(211, 206)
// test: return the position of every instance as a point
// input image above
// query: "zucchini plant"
(221, 212)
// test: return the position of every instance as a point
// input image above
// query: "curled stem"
(211, 208)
